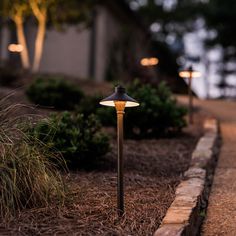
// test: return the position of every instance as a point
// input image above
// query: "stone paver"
(182, 217)
(221, 211)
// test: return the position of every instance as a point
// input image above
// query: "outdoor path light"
(189, 73)
(119, 99)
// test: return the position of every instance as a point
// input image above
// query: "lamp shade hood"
(119, 95)
(189, 72)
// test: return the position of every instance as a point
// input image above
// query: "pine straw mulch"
(152, 171)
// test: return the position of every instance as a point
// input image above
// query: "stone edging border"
(186, 213)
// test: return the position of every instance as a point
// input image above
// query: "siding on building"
(66, 52)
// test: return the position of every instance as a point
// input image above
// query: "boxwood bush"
(158, 113)
(79, 140)
(54, 92)
(90, 105)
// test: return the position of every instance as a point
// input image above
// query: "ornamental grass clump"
(28, 177)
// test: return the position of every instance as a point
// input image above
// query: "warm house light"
(15, 47)
(152, 61)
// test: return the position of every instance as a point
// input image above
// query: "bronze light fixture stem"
(190, 99)
(119, 99)
(120, 106)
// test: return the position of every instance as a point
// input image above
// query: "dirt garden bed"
(153, 169)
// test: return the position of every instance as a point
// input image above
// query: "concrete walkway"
(221, 211)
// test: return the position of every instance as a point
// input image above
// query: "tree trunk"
(21, 40)
(38, 50)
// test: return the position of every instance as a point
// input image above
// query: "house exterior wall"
(71, 52)
(5, 40)
(101, 44)
(64, 52)
(108, 30)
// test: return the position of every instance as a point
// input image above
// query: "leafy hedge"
(79, 140)
(158, 114)
(90, 105)
(55, 92)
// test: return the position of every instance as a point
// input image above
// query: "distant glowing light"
(15, 47)
(152, 61)
(188, 74)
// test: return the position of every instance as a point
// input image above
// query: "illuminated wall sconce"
(149, 61)
(15, 48)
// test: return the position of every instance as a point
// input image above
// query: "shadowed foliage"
(76, 137)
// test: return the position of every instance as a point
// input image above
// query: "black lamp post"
(120, 100)
(189, 73)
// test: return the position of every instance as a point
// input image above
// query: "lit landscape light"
(188, 74)
(119, 99)
(15, 47)
(152, 61)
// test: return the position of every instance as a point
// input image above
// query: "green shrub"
(89, 105)
(54, 92)
(158, 114)
(79, 139)
(28, 177)
(106, 115)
